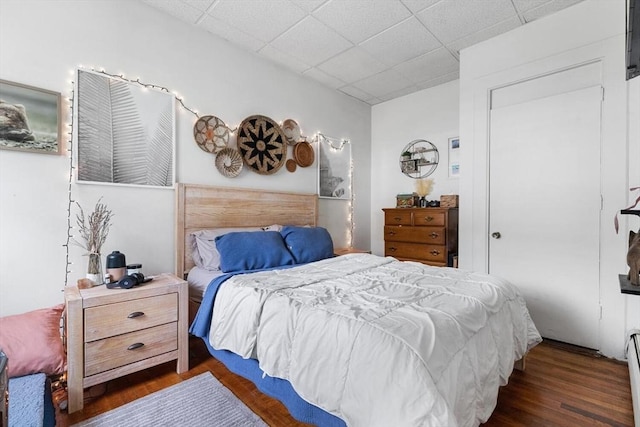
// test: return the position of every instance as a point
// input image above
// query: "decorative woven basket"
(303, 154)
(229, 162)
(211, 134)
(262, 144)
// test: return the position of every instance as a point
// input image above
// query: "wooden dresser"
(427, 235)
(114, 332)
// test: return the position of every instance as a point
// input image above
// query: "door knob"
(496, 235)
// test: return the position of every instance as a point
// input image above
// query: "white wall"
(44, 41)
(589, 31)
(430, 114)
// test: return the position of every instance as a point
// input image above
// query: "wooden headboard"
(201, 206)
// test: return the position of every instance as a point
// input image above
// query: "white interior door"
(544, 201)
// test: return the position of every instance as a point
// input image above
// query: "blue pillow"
(241, 251)
(308, 244)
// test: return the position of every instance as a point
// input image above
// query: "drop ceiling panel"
(547, 9)
(372, 50)
(311, 42)
(202, 5)
(418, 5)
(402, 42)
(357, 20)
(484, 34)
(352, 65)
(384, 83)
(227, 32)
(324, 78)
(264, 20)
(270, 53)
(430, 65)
(451, 20)
(178, 9)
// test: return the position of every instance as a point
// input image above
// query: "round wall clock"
(262, 144)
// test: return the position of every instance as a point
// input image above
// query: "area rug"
(198, 401)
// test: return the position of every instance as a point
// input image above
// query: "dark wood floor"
(560, 387)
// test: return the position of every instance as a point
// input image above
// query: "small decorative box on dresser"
(114, 332)
(427, 235)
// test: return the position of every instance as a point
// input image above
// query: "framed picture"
(454, 157)
(126, 132)
(334, 168)
(30, 118)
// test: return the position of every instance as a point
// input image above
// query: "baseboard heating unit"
(633, 358)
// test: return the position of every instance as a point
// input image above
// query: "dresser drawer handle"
(435, 252)
(135, 314)
(434, 235)
(392, 249)
(428, 218)
(135, 345)
(392, 233)
(397, 218)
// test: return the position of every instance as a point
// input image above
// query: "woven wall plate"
(291, 165)
(229, 162)
(291, 131)
(262, 145)
(303, 154)
(211, 134)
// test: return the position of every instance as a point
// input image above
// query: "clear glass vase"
(94, 268)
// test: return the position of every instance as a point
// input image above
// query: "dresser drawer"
(127, 316)
(416, 251)
(434, 235)
(110, 353)
(397, 217)
(436, 218)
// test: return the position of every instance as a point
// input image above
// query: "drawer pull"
(392, 249)
(434, 235)
(392, 233)
(435, 252)
(135, 314)
(428, 218)
(397, 218)
(135, 345)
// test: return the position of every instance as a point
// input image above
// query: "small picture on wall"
(454, 157)
(29, 118)
(125, 132)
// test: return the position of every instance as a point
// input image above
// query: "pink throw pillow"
(32, 342)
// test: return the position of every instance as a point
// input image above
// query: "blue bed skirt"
(277, 388)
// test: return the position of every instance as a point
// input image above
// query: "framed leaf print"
(334, 168)
(125, 131)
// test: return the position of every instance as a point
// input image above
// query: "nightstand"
(344, 251)
(115, 332)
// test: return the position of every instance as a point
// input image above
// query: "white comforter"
(379, 342)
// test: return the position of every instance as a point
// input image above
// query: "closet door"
(544, 206)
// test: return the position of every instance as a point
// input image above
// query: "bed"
(354, 340)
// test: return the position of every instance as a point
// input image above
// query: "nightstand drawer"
(110, 353)
(127, 316)
(434, 235)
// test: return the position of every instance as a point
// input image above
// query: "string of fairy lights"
(335, 144)
(72, 107)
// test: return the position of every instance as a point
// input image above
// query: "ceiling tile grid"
(371, 50)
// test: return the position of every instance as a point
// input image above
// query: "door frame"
(474, 114)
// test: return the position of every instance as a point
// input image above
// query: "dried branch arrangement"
(424, 186)
(94, 229)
